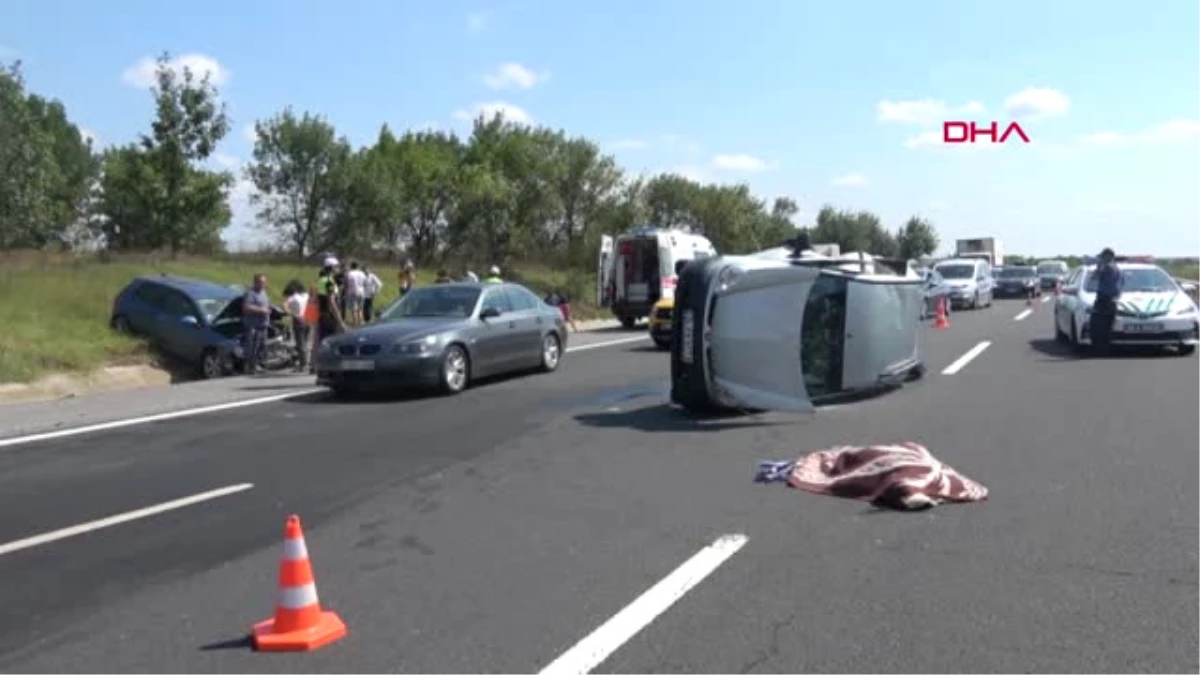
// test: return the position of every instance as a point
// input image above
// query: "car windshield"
(439, 300)
(211, 308)
(1017, 273)
(956, 271)
(1051, 268)
(1149, 280)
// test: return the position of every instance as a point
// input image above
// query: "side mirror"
(489, 313)
(189, 320)
(1188, 287)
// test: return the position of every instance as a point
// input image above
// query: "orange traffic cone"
(939, 318)
(299, 625)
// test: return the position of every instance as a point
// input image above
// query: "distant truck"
(988, 248)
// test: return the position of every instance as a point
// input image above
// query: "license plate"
(358, 365)
(688, 342)
(1143, 327)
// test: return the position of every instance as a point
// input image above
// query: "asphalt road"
(494, 531)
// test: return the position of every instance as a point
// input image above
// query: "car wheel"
(551, 353)
(975, 301)
(456, 368)
(121, 325)
(662, 344)
(212, 364)
(342, 391)
(628, 321)
(1187, 350)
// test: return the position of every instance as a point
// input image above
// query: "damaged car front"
(772, 333)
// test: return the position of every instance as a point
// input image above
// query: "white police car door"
(755, 337)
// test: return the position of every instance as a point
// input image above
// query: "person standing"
(470, 276)
(295, 302)
(372, 285)
(329, 318)
(443, 277)
(557, 298)
(356, 293)
(1109, 283)
(256, 316)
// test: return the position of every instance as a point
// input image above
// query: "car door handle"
(512, 324)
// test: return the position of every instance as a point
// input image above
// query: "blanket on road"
(902, 476)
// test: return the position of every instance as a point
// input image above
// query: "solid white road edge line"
(188, 412)
(102, 523)
(592, 650)
(966, 358)
(1022, 315)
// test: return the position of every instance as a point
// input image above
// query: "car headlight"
(325, 347)
(728, 277)
(416, 347)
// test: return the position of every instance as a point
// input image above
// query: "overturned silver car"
(790, 329)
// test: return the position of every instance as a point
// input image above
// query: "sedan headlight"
(325, 347)
(416, 347)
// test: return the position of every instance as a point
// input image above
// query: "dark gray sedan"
(444, 336)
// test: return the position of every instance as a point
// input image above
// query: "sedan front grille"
(358, 350)
(346, 350)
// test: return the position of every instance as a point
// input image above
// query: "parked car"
(1052, 273)
(660, 322)
(197, 322)
(445, 336)
(777, 334)
(1017, 282)
(970, 281)
(936, 292)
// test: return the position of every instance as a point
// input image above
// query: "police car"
(1153, 308)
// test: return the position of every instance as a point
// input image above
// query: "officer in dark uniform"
(1104, 311)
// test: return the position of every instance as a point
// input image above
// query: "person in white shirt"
(295, 302)
(356, 289)
(371, 288)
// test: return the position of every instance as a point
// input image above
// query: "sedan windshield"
(440, 300)
(957, 271)
(1017, 273)
(1150, 280)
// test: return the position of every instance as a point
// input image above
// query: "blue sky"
(828, 102)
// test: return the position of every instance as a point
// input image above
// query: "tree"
(47, 168)
(158, 197)
(917, 238)
(300, 170)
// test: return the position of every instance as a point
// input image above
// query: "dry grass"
(56, 308)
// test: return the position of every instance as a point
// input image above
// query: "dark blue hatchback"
(195, 321)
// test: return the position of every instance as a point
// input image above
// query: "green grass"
(55, 309)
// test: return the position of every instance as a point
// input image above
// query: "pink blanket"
(903, 476)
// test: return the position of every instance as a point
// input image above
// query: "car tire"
(213, 364)
(455, 370)
(551, 353)
(975, 301)
(662, 344)
(628, 321)
(341, 391)
(121, 325)
(1187, 350)
(1075, 344)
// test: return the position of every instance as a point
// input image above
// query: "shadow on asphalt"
(395, 395)
(664, 417)
(245, 642)
(1058, 351)
(268, 387)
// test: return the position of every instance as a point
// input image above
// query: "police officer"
(329, 315)
(1104, 311)
(493, 276)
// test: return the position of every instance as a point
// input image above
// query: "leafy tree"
(917, 238)
(158, 197)
(300, 169)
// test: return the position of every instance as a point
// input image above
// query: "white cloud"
(924, 111)
(851, 180)
(90, 136)
(513, 75)
(250, 134)
(923, 139)
(938, 205)
(7, 52)
(1174, 131)
(143, 73)
(746, 163)
(1037, 102)
(226, 161)
(477, 21)
(629, 144)
(508, 111)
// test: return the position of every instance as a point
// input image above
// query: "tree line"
(504, 193)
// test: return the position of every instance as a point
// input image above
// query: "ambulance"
(637, 269)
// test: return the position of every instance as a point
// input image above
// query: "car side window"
(497, 299)
(1072, 280)
(152, 294)
(177, 304)
(521, 299)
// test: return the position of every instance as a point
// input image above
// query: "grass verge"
(55, 309)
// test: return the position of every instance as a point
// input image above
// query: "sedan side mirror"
(1188, 287)
(189, 320)
(489, 313)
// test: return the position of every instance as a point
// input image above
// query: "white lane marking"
(1046, 298)
(1023, 315)
(966, 358)
(609, 343)
(121, 518)
(189, 412)
(592, 650)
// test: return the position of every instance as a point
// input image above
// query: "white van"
(970, 281)
(636, 269)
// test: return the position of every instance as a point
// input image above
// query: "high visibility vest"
(493, 280)
(323, 283)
